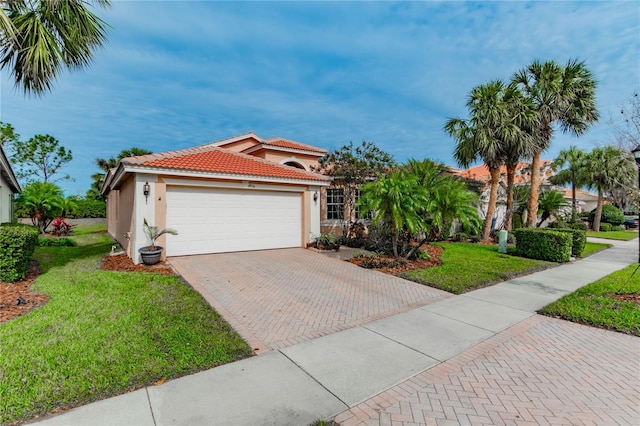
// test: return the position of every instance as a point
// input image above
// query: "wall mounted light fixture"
(146, 189)
(315, 196)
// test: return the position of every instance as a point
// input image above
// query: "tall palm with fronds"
(574, 159)
(485, 135)
(396, 201)
(606, 168)
(560, 95)
(40, 37)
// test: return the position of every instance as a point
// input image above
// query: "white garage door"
(223, 220)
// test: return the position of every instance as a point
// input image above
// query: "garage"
(217, 220)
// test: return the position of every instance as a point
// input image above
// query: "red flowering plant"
(60, 227)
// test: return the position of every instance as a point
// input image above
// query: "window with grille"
(335, 204)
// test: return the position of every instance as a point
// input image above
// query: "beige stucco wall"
(120, 211)
(241, 145)
(282, 157)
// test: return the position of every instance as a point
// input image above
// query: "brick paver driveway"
(541, 371)
(277, 298)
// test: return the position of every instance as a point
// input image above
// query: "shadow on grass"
(52, 257)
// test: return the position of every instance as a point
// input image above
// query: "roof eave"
(7, 171)
(214, 175)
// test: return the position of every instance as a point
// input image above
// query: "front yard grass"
(594, 305)
(467, 266)
(614, 235)
(104, 333)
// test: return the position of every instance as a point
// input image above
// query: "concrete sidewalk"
(389, 362)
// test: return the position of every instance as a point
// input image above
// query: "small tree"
(606, 168)
(352, 167)
(550, 203)
(40, 158)
(397, 202)
(574, 158)
(42, 201)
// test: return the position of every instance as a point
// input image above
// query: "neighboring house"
(9, 186)
(586, 200)
(238, 194)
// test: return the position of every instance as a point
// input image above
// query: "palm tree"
(447, 197)
(43, 201)
(550, 203)
(560, 95)
(40, 37)
(485, 135)
(395, 200)
(606, 168)
(574, 158)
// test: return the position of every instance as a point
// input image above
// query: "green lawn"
(591, 248)
(467, 266)
(104, 333)
(593, 305)
(614, 235)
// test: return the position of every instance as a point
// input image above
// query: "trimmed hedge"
(543, 244)
(17, 243)
(610, 214)
(605, 227)
(579, 240)
(87, 209)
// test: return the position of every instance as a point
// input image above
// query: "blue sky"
(179, 74)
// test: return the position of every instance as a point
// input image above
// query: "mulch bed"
(120, 262)
(434, 253)
(635, 298)
(10, 292)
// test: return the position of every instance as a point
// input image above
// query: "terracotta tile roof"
(522, 176)
(219, 160)
(286, 143)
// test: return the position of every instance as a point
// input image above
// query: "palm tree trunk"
(532, 207)
(574, 210)
(511, 176)
(493, 197)
(596, 219)
(394, 241)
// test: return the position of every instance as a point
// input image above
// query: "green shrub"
(84, 208)
(579, 240)
(578, 225)
(605, 227)
(619, 228)
(558, 224)
(543, 244)
(460, 237)
(373, 263)
(610, 214)
(56, 242)
(17, 243)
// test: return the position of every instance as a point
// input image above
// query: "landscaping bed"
(395, 266)
(10, 292)
(122, 263)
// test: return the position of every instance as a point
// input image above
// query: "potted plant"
(151, 254)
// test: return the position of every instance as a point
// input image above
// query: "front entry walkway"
(278, 298)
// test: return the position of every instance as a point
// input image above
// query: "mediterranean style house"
(237, 194)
